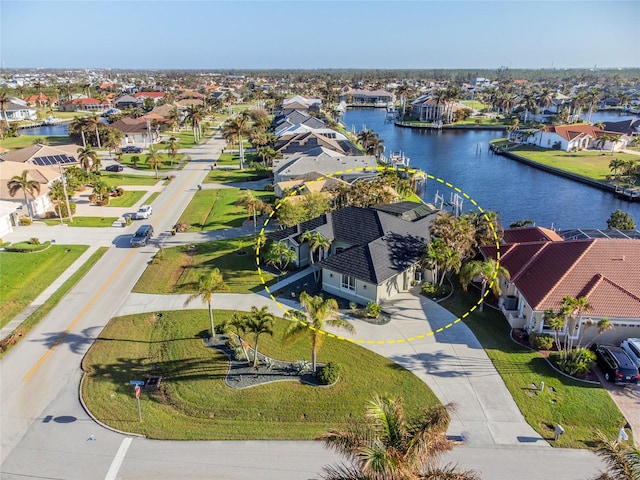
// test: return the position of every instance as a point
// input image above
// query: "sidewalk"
(50, 290)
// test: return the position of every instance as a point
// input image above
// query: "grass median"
(580, 407)
(194, 403)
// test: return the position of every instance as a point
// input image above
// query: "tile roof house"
(44, 175)
(43, 155)
(606, 271)
(579, 137)
(84, 104)
(374, 252)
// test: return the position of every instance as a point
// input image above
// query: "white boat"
(380, 104)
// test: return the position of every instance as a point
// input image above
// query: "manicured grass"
(235, 175)
(83, 221)
(129, 198)
(475, 104)
(119, 179)
(15, 143)
(143, 164)
(217, 209)
(33, 319)
(24, 276)
(194, 403)
(178, 269)
(580, 407)
(590, 164)
(151, 198)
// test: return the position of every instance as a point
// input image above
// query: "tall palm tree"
(391, 445)
(87, 157)
(92, 123)
(259, 322)
(195, 115)
(22, 182)
(573, 308)
(279, 255)
(57, 194)
(488, 271)
(208, 284)
(316, 243)
(253, 205)
(154, 158)
(317, 313)
(4, 100)
(623, 461)
(78, 126)
(172, 149)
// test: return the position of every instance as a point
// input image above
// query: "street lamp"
(64, 189)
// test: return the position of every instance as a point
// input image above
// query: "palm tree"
(391, 445)
(4, 100)
(316, 242)
(318, 312)
(556, 323)
(78, 126)
(280, 256)
(57, 194)
(21, 182)
(623, 461)
(154, 158)
(259, 322)
(573, 308)
(234, 130)
(87, 157)
(488, 271)
(172, 149)
(253, 205)
(92, 123)
(208, 284)
(195, 115)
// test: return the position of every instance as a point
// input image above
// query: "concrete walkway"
(452, 363)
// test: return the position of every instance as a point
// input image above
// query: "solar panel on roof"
(54, 160)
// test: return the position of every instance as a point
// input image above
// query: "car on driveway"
(114, 168)
(131, 149)
(632, 347)
(615, 364)
(144, 212)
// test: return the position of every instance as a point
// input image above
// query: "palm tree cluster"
(234, 131)
(257, 322)
(94, 133)
(391, 445)
(371, 143)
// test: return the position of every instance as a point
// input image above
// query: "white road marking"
(119, 458)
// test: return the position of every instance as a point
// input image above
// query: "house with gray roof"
(374, 253)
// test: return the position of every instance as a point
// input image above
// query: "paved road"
(47, 434)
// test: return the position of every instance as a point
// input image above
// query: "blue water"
(496, 183)
(60, 129)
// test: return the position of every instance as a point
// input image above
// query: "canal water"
(514, 190)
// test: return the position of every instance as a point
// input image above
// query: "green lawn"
(15, 143)
(235, 175)
(590, 164)
(151, 198)
(179, 269)
(143, 164)
(129, 198)
(83, 221)
(27, 325)
(580, 407)
(217, 209)
(119, 179)
(194, 403)
(24, 276)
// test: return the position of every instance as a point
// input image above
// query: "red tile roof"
(569, 132)
(529, 234)
(149, 94)
(605, 271)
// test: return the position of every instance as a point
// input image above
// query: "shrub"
(34, 241)
(330, 373)
(577, 362)
(93, 198)
(541, 341)
(182, 227)
(435, 291)
(373, 310)
(63, 209)
(24, 221)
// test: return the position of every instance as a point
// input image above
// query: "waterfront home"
(429, 108)
(282, 122)
(304, 142)
(311, 182)
(326, 162)
(84, 105)
(17, 109)
(366, 98)
(630, 127)
(374, 252)
(136, 130)
(580, 136)
(300, 102)
(128, 101)
(545, 268)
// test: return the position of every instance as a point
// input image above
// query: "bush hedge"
(541, 341)
(27, 247)
(329, 374)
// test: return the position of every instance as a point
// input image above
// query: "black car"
(615, 364)
(114, 168)
(131, 149)
(142, 236)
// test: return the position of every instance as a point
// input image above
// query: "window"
(348, 282)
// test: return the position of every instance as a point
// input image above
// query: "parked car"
(114, 168)
(632, 347)
(131, 149)
(616, 365)
(142, 236)
(144, 212)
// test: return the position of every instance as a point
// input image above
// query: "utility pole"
(64, 189)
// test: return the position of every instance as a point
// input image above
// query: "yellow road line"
(93, 300)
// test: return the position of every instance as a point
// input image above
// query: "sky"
(306, 34)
